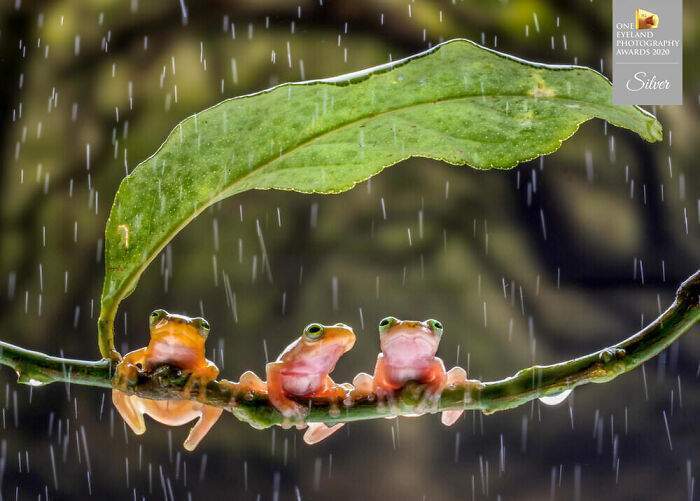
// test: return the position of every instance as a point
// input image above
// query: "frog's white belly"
(404, 374)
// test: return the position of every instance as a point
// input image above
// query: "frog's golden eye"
(435, 326)
(156, 316)
(387, 323)
(202, 325)
(313, 331)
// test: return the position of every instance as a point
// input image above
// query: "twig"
(526, 385)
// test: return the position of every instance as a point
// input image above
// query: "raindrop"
(555, 399)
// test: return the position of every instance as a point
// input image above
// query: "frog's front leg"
(384, 384)
(277, 395)
(435, 379)
(331, 390)
(128, 411)
(133, 362)
(207, 419)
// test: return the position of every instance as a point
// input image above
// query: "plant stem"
(167, 383)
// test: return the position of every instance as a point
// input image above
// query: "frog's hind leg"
(319, 431)
(133, 416)
(209, 416)
(455, 376)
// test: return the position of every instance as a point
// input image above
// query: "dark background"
(622, 230)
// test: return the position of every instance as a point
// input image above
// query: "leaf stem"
(168, 383)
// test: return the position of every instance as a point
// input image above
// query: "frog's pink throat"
(173, 353)
(406, 347)
(321, 361)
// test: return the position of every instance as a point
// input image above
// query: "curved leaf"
(458, 102)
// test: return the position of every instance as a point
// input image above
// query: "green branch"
(524, 386)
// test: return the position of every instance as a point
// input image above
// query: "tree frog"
(178, 341)
(408, 354)
(302, 371)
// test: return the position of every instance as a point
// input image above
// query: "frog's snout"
(346, 335)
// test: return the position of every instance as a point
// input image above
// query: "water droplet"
(555, 399)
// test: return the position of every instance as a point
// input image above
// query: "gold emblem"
(645, 20)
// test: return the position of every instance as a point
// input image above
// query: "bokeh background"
(556, 258)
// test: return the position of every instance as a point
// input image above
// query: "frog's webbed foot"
(317, 432)
(210, 415)
(200, 378)
(455, 376)
(364, 387)
(249, 381)
(125, 406)
(429, 400)
(127, 370)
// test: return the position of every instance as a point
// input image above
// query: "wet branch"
(526, 385)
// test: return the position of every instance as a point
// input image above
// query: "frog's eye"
(156, 316)
(202, 325)
(435, 326)
(313, 331)
(387, 323)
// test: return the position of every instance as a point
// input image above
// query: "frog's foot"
(363, 385)
(428, 401)
(292, 412)
(199, 379)
(250, 382)
(195, 383)
(332, 392)
(455, 376)
(319, 431)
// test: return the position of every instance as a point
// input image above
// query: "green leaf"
(458, 102)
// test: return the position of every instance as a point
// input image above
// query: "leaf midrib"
(355, 121)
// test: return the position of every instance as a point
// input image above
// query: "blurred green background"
(556, 258)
